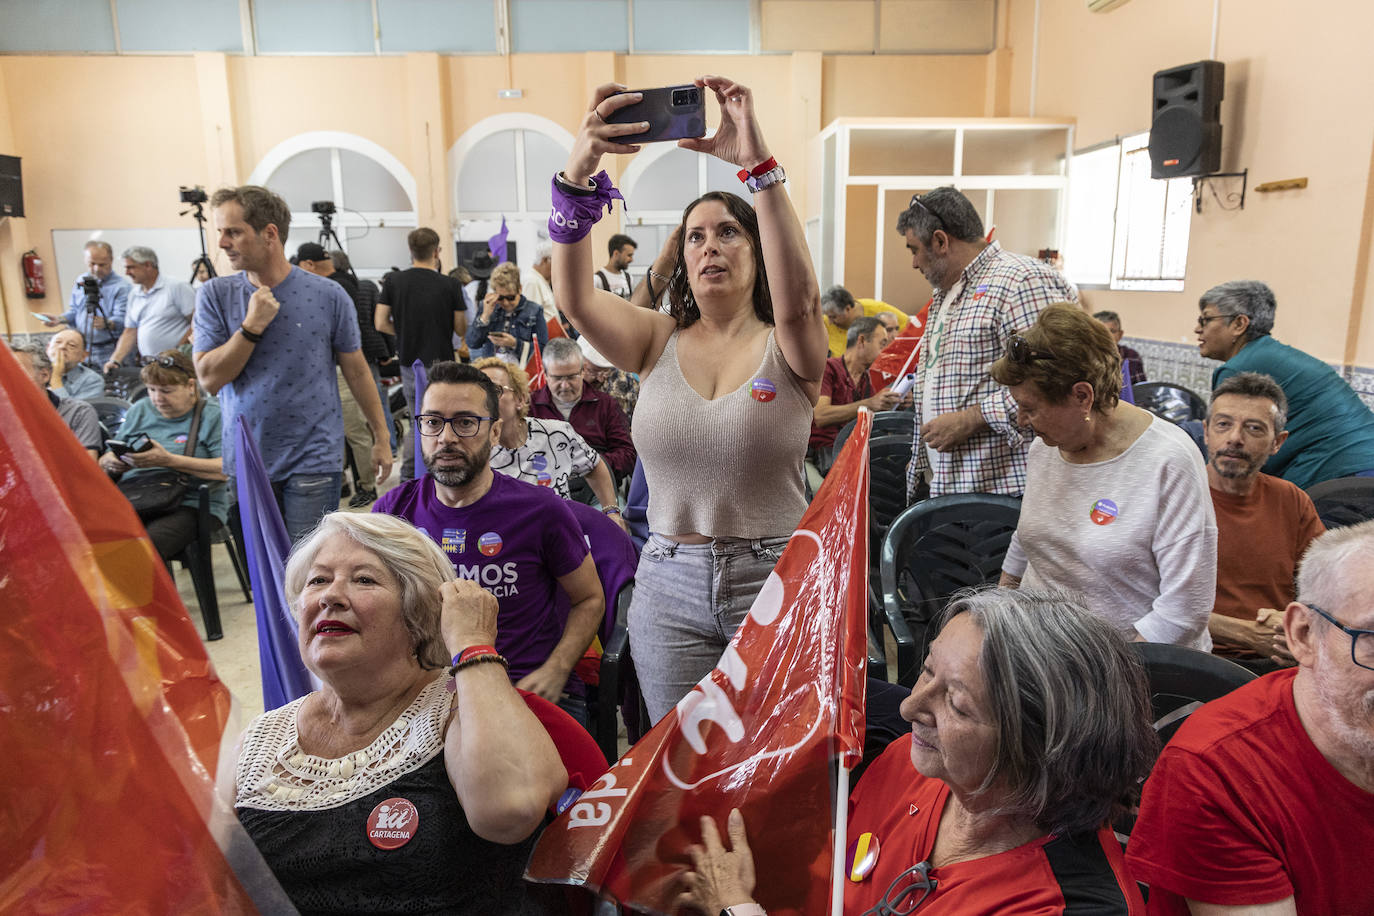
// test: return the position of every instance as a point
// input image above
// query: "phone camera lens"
(686, 96)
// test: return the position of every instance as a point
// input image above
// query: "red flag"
(556, 328)
(534, 366)
(899, 357)
(759, 733)
(113, 715)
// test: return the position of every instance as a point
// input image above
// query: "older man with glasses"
(1263, 802)
(967, 439)
(1330, 430)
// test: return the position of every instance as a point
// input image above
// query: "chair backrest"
(942, 545)
(1170, 402)
(1182, 679)
(1343, 501)
(119, 382)
(888, 457)
(885, 423)
(111, 412)
(614, 554)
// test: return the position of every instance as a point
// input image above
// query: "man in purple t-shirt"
(521, 542)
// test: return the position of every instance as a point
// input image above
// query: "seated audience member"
(449, 786)
(1263, 802)
(67, 351)
(79, 416)
(840, 308)
(1330, 430)
(888, 321)
(547, 453)
(537, 288)
(1264, 523)
(165, 417)
(1128, 355)
(1025, 741)
(598, 372)
(596, 416)
(506, 321)
(846, 387)
(519, 541)
(1116, 502)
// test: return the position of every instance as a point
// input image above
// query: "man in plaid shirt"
(966, 432)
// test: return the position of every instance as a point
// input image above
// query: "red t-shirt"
(902, 809)
(1243, 809)
(837, 385)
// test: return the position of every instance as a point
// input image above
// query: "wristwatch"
(744, 909)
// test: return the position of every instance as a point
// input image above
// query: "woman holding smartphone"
(730, 376)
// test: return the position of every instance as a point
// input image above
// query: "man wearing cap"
(424, 310)
(596, 416)
(160, 308)
(598, 372)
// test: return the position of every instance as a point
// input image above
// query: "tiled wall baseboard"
(1180, 364)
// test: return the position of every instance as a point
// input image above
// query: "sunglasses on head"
(1021, 352)
(165, 362)
(917, 202)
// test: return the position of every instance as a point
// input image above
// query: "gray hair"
(1251, 298)
(1071, 706)
(1324, 575)
(407, 553)
(541, 251)
(943, 208)
(140, 254)
(340, 259)
(35, 350)
(97, 243)
(1106, 315)
(1254, 385)
(861, 327)
(836, 299)
(562, 349)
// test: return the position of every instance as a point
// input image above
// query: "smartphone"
(673, 112)
(138, 443)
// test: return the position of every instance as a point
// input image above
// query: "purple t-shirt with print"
(515, 542)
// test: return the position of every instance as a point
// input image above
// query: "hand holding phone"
(673, 113)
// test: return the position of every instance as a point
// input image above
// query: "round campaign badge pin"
(863, 857)
(489, 544)
(1104, 512)
(565, 801)
(392, 824)
(763, 390)
(543, 478)
(539, 462)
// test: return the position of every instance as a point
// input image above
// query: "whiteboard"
(176, 249)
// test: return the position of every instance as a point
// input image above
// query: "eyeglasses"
(917, 202)
(501, 298)
(466, 426)
(1021, 352)
(1361, 641)
(563, 378)
(906, 892)
(165, 362)
(1202, 321)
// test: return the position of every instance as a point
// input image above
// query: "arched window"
(372, 192)
(658, 184)
(502, 167)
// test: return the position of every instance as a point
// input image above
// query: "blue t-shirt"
(287, 392)
(515, 542)
(171, 434)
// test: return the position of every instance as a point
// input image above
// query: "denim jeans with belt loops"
(688, 601)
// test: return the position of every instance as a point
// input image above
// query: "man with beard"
(1263, 803)
(519, 541)
(1264, 523)
(966, 435)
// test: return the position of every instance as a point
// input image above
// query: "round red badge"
(763, 390)
(392, 824)
(1104, 512)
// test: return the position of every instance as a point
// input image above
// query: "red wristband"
(471, 651)
(766, 166)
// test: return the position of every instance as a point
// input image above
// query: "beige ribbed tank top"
(731, 467)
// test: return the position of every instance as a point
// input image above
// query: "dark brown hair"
(260, 206)
(682, 304)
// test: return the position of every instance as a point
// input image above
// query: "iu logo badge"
(1104, 512)
(392, 824)
(489, 544)
(763, 390)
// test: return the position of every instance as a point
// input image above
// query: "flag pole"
(837, 872)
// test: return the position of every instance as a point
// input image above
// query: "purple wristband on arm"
(573, 215)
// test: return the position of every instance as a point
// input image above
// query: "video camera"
(90, 286)
(194, 195)
(323, 207)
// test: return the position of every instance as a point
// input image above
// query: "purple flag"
(284, 675)
(421, 383)
(1127, 389)
(497, 243)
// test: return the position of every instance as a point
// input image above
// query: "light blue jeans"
(688, 601)
(304, 499)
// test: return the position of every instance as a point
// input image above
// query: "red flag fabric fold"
(899, 357)
(534, 366)
(760, 733)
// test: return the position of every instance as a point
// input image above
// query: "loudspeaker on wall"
(1185, 125)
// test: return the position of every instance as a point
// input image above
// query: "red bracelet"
(766, 166)
(470, 651)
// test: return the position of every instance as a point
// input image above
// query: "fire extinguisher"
(33, 275)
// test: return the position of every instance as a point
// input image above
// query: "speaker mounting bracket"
(1238, 200)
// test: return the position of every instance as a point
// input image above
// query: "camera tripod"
(327, 235)
(198, 211)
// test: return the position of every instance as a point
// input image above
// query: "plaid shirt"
(1002, 293)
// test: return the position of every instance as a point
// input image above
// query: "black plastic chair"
(618, 687)
(885, 423)
(888, 457)
(1170, 402)
(125, 382)
(111, 411)
(934, 549)
(196, 557)
(1343, 501)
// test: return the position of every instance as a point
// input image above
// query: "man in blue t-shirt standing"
(519, 541)
(266, 341)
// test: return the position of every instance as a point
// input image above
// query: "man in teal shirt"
(1331, 431)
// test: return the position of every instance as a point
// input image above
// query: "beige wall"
(1291, 109)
